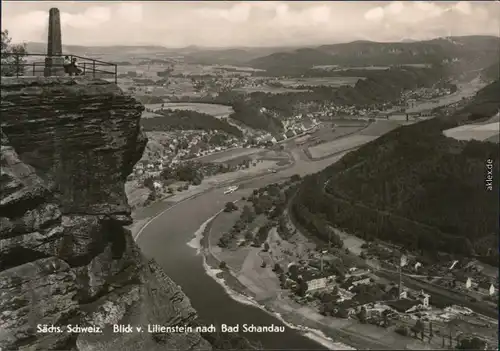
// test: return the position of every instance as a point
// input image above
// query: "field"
(379, 128)
(153, 106)
(219, 111)
(146, 114)
(326, 133)
(397, 117)
(326, 81)
(268, 89)
(178, 87)
(236, 156)
(146, 71)
(418, 65)
(280, 158)
(364, 68)
(367, 68)
(339, 68)
(238, 68)
(339, 145)
(475, 131)
(229, 155)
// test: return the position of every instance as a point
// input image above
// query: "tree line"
(12, 56)
(187, 120)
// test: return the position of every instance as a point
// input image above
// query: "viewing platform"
(44, 65)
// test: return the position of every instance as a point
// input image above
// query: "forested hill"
(485, 104)
(187, 120)
(414, 187)
(470, 52)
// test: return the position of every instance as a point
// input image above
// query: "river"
(166, 240)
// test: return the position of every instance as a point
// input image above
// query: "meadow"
(225, 156)
(320, 81)
(479, 132)
(339, 68)
(379, 128)
(268, 89)
(339, 145)
(216, 110)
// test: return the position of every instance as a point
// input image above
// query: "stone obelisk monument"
(53, 61)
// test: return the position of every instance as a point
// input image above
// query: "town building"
(360, 280)
(355, 281)
(319, 283)
(316, 280)
(424, 298)
(355, 272)
(280, 137)
(403, 305)
(266, 139)
(486, 288)
(307, 124)
(463, 282)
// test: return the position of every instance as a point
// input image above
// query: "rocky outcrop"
(65, 257)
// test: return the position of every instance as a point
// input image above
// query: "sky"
(252, 23)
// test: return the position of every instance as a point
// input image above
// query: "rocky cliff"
(65, 256)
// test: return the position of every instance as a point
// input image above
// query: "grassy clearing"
(271, 90)
(229, 155)
(215, 110)
(327, 81)
(379, 128)
(338, 68)
(479, 132)
(332, 133)
(339, 145)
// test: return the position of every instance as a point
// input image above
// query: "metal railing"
(14, 64)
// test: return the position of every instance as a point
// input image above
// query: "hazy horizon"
(250, 46)
(248, 24)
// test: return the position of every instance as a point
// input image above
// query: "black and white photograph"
(249, 175)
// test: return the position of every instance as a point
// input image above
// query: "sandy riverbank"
(334, 333)
(242, 294)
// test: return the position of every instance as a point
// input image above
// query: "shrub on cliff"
(12, 56)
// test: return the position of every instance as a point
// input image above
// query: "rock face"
(65, 257)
